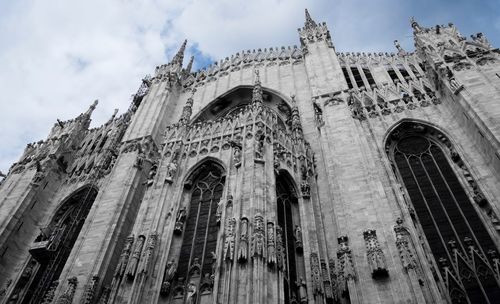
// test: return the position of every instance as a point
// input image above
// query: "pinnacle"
(309, 21)
(257, 90)
(179, 57)
(92, 107)
(190, 64)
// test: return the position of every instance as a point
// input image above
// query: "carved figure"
(171, 170)
(301, 285)
(191, 294)
(305, 189)
(179, 221)
(297, 232)
(243, 248)
(376, 258)
(170, 271)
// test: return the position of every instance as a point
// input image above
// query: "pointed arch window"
(457, 237)
(291, 238)
(51, 249)
(200, 232)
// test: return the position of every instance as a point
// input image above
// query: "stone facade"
(308, 202)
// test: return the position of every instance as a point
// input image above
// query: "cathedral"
(278, 175)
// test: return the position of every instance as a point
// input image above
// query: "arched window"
(457, 237)
(200, 233)
(291, 234)
(52, 247)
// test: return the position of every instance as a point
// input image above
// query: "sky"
(56, 57)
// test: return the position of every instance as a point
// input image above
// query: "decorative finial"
(400, 49)
(414, 25)
(257, 90)
(309, 21)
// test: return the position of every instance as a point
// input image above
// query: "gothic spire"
(92, 108)
(257, 90)
(309, 21)
(179, 57)
(190, 65)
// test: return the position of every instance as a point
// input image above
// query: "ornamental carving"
(49, 296)
(346, 271)
(327, 286)
(280, 249)
(136, 256)
(302, 290)
(271, 245)
(333, 278)
(69, 293)
(243, 246)
(316, 274)
(244, 60)
(171, 170)
(258, 237)
(299, 245)
(376, 258)
(236, 144)
(168, 277)
(305, 188)
(404, 245)
(179, 221)
(148, 253)
(124, 257)
(90, 290)
(229, 240)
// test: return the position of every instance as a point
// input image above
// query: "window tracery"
(455, 233)
(290, 240)
(197, 258)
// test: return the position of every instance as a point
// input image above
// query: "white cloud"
(56, 57)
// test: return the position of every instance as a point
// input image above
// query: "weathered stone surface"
(304, 138)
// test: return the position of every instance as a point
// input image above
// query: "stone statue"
(179, 221)
(170, 270)
(259, 147)
(298, 238)
(191, 294)
(195, 268)
(301, 285)
(171, 170)
(213, 256)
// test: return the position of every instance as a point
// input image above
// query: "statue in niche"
(236, 144)
(168, 277)
(259, 147)
(305, 189)
(213, 256)
(195, 268)
(301, 285)
(298, 239)
(455, 86)
(218, 213)
(179, 221)
(171, 170)
(191, 293)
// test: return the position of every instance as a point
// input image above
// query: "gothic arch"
(52, 247)
(428, 165)
(196, 231)
(217, 102)
(289, 234)
(192, 172)
(288, 178)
